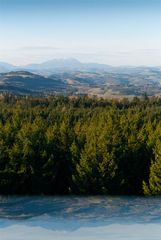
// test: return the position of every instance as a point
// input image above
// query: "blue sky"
(116, 32)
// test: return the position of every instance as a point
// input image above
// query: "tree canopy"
(63, 145)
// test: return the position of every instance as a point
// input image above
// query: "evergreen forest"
(79, 145)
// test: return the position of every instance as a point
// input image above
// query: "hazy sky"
(115, 32)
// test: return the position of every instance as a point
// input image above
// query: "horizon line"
(76, 59)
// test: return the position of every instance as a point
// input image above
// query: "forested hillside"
(60, 145)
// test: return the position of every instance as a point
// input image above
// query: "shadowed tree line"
(61, 145)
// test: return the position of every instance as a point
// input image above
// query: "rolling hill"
(71, 77)
(23, 82)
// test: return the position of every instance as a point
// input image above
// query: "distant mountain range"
(55, 65)
(71, 64)
(5, 67)
(71, 77)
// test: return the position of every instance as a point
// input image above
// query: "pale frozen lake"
(82, 218)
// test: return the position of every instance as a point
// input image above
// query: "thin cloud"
(39, 48)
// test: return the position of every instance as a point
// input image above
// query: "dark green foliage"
(154, 183)
(60, 145)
